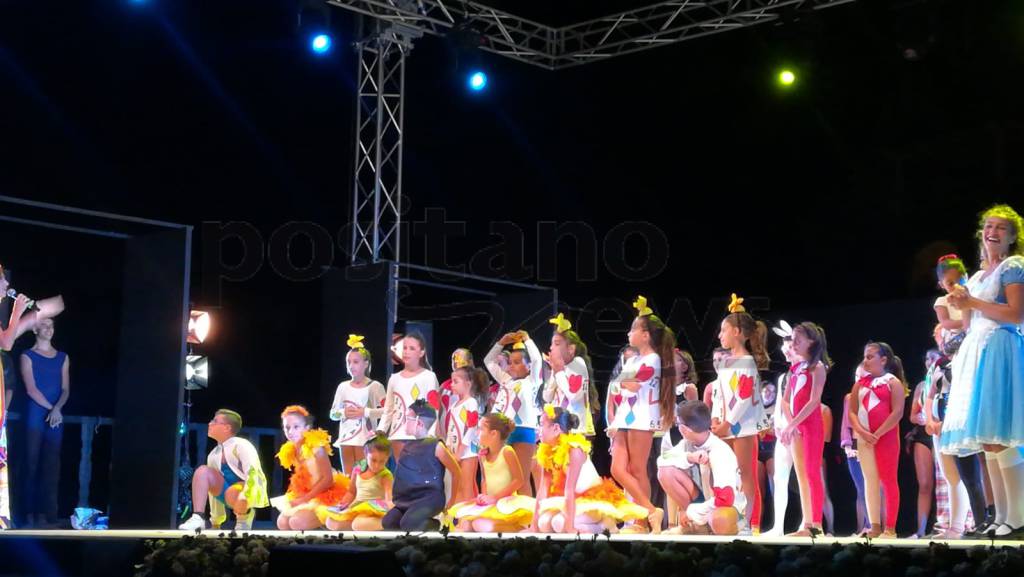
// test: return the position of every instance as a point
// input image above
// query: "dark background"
(831, 200)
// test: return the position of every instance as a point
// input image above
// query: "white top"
(461, 428)
(403, 392)
(517, 398)
(358, 431)
(639, 410)
(722, 464)
(736, 397)
(779, 420)
(570, 390)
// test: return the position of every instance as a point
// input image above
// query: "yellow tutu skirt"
(605, 500)
(514, 510)
(376, 508)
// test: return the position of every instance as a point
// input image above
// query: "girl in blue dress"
(986, 399)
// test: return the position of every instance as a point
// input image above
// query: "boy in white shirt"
(701, 463)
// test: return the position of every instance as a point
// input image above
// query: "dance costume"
(301, 461)
(949, 497)
(517, 398)
(724, 479)
(515, 509)
(419, 488)
(951, 338)
(370, 496)
(810, 434)
(596, 497)
(570, 390)
(639, 410)
(461, 428)
(986, 398)
(782, 456)
(358, 431)
(239, 464)
(873, 408)
(402, 393)
(736, 397)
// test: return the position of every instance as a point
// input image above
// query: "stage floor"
(384, 535)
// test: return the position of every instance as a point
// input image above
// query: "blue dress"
(48, 374)
(986, 397)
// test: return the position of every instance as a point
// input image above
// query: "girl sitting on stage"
(369, 495)
(314, 485)
(499, 508)
(358, 404)
(572, 497)
(469, 386)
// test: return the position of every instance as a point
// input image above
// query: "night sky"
(841, 191)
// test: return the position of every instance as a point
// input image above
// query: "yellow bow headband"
(641, 307)
(355, 342)
(561, 324)
(736, 305)
(520, 346)
(549, 410)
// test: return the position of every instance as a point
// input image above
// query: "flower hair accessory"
(561, 324)
(641, 307)
(736, 304)
(520, 346)
(946, 257)
(549, 410)
(294, 410)
(783, 330)
(355, 342)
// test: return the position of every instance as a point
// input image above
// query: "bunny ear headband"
(783, 330)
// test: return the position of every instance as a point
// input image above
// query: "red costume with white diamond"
(873, 408)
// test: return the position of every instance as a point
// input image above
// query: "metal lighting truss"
(378, 164)
(380, 106)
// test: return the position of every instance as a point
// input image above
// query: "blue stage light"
(477, 81)
(320, 44)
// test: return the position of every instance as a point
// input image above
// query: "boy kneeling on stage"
(232, 477)
(419, 475)
(681, 469)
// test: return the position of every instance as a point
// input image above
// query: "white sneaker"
(194, 523)
(245, 523)
(773, 532)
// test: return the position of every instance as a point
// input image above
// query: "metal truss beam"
(659, 24)
(380, 106)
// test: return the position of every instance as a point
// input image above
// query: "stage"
(166, 552)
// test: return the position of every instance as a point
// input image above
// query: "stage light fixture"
(198, 327)
(320, 43)
(786, 77)
(477, 80)
(197, 372)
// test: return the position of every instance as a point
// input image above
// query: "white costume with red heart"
(639, 410)
(570, 390)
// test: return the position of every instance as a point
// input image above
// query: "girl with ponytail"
(645, 404)
(736, 409)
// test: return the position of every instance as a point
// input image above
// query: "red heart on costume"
(434, 399)
(645, 373)
(575, 384)
(472, 418)
(617, 400)
(745, 390)
(724, 496)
